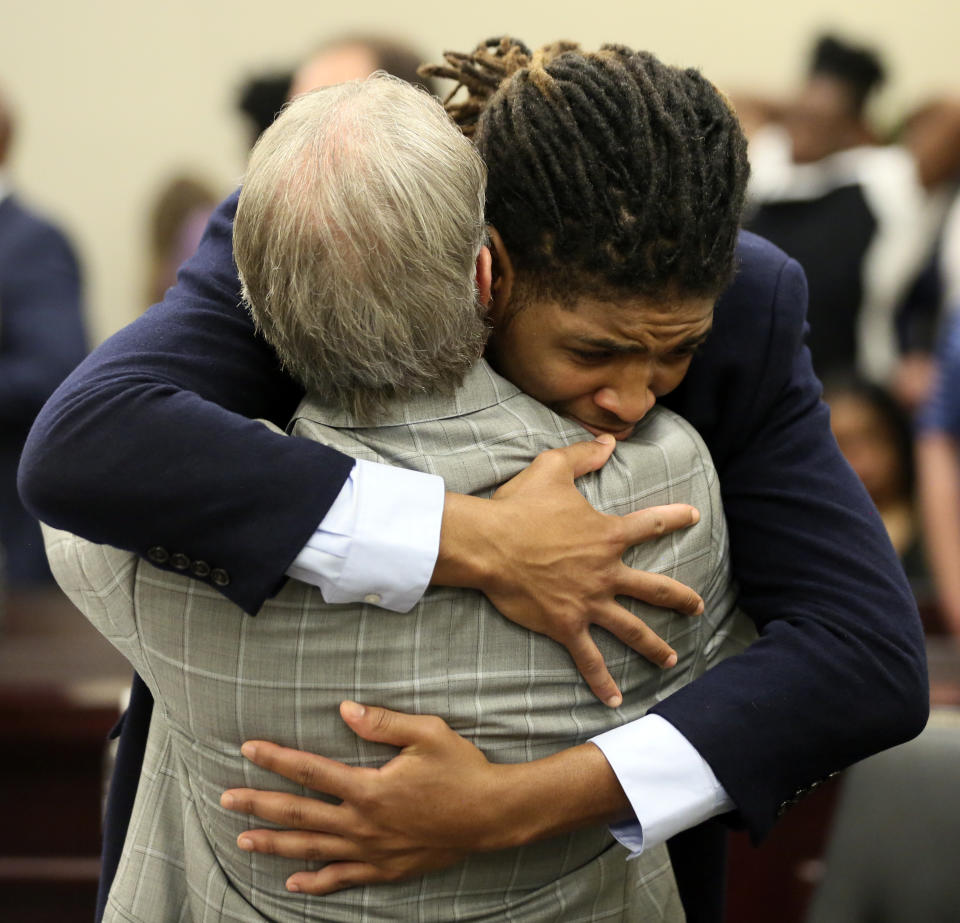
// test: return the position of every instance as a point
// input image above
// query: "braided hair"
(608, 171)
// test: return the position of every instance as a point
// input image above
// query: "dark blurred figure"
(348, 57)
(177, 220)
(856, 214)
(938, 465)
(41, 340)
(876, 438)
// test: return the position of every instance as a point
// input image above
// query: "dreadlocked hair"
(607, 170)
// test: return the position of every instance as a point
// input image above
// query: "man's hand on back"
(551, 563)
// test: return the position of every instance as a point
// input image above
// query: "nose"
(627, 400)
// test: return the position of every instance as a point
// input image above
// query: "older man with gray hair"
(360, 242)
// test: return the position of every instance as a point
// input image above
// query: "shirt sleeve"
(379, 541)
(669, 785)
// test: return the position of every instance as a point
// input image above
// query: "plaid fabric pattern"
(220, 677)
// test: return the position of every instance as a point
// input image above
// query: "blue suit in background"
(837, 673)
(41, 340)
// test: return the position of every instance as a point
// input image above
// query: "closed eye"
(592, 355)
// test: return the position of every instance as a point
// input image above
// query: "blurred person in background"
(41, 340)
(177, 220)
(346, 57)
(855, 213)
(876, 438)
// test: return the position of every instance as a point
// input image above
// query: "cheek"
(668, 376)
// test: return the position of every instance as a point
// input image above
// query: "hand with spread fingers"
(380, 832)
(553, 564)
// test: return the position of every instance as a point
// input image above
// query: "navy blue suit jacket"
(41, 340)
(837, 673)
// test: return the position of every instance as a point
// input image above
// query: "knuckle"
(292, 814)
(659, 651)
(592, 662)
(635, 633)
(313, 853)
(266, 844)
(434, 725)
(392, 873)
(549, 459)
(382, 719)
(305, 772)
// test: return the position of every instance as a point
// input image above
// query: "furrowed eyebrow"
(612, 346)
(616, 346)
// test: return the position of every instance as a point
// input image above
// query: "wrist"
(467, 552)
(570, 790)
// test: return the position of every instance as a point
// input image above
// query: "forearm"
(570, 790)
(938, 465)
(467, 547)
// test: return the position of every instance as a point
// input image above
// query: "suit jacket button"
(158, 555)
(180, 561)
(200, 569)
(372, 599)
(219, 577)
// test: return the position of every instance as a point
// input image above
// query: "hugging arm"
(132, 450)
(838, 671)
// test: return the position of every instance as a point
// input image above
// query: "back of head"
(356, 238)
(858, 69)
(608, 171)
(354, 56)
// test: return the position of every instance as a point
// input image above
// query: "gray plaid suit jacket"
(220, 677)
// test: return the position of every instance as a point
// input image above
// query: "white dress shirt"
(378, 544)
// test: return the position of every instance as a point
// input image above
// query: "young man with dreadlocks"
(838, 671)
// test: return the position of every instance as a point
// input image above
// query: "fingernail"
(605, 439)
(699, 609)
(671, 661)
(293, 886)
(249, 750)
(245, 843)
(352, 710)
(615, 701)
(694, 515)
(227, 801)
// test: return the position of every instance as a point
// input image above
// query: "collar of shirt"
(482, 387)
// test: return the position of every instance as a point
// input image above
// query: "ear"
(503, 275)
(484, 279)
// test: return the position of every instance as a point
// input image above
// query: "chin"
(624, 432)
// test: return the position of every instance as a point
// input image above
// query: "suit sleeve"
(838, 671)
(193, 484)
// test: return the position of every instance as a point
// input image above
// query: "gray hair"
(356, 238)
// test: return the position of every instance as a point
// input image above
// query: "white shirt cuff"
(669, 785)
(379, 541)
